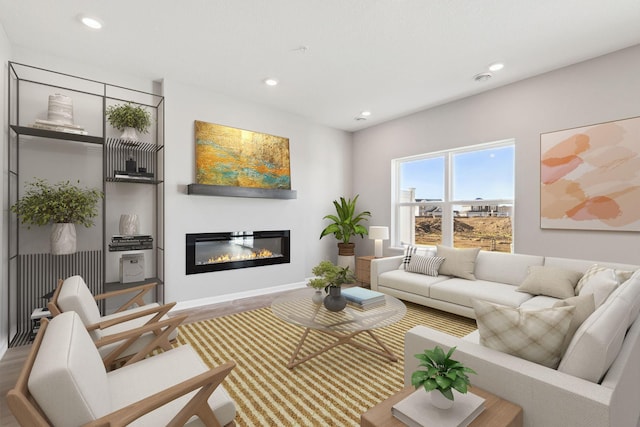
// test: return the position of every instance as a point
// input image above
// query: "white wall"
(595, 91)
(320, 173)
(5, 54)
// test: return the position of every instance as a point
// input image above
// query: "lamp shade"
(378, 233)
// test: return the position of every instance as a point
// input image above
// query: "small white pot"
(63, 239)
(129, 134)
(439, 401)
(317, 297)
(129, 224)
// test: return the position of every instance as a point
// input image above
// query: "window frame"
(448, 203)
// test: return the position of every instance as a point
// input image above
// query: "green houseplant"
(61, 203)
(124, 116)
(442, 373)
(331, 277)
(346, 224)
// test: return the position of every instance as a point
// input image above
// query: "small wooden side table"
(363, 270)
(498, 412)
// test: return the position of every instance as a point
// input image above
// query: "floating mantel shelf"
(229, 191)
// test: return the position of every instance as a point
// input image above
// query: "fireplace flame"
(262, 253)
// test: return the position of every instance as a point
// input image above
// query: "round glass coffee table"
(297, 308)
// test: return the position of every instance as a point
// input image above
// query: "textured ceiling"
(391, 57)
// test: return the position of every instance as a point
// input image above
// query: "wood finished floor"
(14, 358)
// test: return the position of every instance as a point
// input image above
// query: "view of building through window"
(460, 198)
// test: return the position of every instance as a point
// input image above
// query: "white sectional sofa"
(549, 397)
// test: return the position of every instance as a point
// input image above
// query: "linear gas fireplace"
(239, 249)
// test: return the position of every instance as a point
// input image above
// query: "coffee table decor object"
(331, 277)
(441, 377)
(416, 410)
(297, 308)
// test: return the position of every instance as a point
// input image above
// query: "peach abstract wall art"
(590, 177)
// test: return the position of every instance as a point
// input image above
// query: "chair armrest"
(162, 329)
(159, 311)
(207, 382)
(380, 265)
(136, 299)
(547, 397)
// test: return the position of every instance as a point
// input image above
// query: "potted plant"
(345, 225)
(129, 119)
(62, 204)
(331, 277)
(442, 374)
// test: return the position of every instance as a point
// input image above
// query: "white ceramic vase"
(63, 239)
(317, 297)
(129, 134)
(129, 224)
(439, 401)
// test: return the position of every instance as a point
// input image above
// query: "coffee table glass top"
(296, 307)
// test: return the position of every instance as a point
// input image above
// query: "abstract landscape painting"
(590, 177)
(241, 158)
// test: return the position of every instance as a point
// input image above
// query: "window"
(461, 198)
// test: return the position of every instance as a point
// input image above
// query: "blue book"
(362, 295)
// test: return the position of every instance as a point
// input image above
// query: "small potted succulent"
(442, 374)
(331, 277)
(129, 119)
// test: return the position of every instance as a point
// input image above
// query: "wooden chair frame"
(28, 413)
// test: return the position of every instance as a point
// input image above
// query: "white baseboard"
(184, 305)
(3, 348)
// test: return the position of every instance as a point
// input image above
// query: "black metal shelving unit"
(32, 275)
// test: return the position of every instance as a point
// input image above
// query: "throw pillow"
(550, 281)
(411, 250)
(585, 306)
(425, 265)
(458, 262)
(536, 335)
(599, 282)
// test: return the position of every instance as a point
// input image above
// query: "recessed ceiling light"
(496, 67)
(91, 22)
(270, 82)
(366, 113)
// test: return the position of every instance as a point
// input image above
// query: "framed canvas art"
(590, 177)
(241, 158)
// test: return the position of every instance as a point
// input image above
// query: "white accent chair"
(64, 383)
(109, 332)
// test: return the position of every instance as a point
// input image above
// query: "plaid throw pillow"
(408, 251)
(425, 264)
(536, 335)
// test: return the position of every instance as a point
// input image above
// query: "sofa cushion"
(462, 292)
(504, 267)
(597, 341)
(585, 306)
(424, 265)
(411, 250)
(550, 281)
(599, 282)
(458, 262)
(540, 301)
(534, 335)
(629, 291)
(141, 379)
(68, 373)
(401, 280)
(583, 265)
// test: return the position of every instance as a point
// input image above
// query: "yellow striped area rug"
(333, 389)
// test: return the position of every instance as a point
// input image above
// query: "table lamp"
(378, 234)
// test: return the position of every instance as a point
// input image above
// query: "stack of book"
(416, 410)
(363, 298)
(140, 176)
(131, 243)
(59, 127)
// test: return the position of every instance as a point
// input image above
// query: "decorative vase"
(335, 301)
(63, 239)
(129, 224)
(317, 297)
(129, 134)
(439, 401)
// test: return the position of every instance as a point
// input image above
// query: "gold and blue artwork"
(241, 158)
